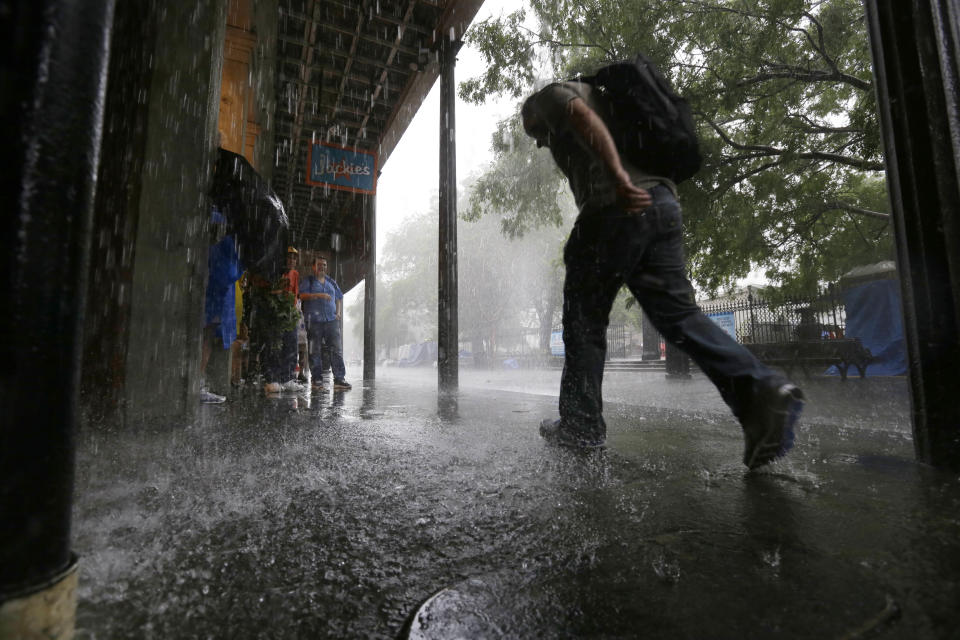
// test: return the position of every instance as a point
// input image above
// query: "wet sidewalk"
(343, 515)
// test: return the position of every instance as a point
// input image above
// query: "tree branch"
(736, 145)
(859, 163)
(557, 43)
(822, 49)
(725, 186)
(856, 225)
(836, 205)
(797, 73)
(815, 127)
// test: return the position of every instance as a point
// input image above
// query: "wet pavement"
(383, 512)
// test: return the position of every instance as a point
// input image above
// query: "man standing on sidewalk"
(322, 309)
(629, 231)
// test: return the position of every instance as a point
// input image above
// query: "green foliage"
(782, 90)
(508, 72)
(519, 177)
(273, 313)
(407, 282)
(626, 310)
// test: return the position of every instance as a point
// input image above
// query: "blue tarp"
(874, 316)
(223, 270)
(420, 354)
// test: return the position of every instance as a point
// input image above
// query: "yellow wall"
(238, 127)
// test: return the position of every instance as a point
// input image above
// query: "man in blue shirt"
(322, 304)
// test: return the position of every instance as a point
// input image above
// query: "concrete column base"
(47, 614)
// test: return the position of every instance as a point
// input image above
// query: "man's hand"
(631, 198)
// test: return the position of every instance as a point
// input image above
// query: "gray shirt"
(592, 185)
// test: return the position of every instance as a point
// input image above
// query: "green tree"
(506, 285)
(522, 188)
(406, 284)
(782, 89)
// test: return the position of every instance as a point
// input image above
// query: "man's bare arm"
(593, 132)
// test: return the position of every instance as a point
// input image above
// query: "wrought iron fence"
(755, 320)
(620, 340)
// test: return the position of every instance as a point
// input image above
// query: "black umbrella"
(253, 212)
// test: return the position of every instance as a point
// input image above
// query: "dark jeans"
(280, 360)
(608, 249)
(329, 332)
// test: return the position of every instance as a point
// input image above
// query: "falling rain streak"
(324, 512)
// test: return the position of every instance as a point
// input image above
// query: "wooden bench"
(806, 354)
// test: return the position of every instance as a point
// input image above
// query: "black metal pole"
(651, 340)
(370, 291)
(54, 66)
(447, 338)
(916, 56)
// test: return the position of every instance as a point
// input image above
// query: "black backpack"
(651, 125)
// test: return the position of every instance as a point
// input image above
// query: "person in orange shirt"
(293, 286)
(292, 275)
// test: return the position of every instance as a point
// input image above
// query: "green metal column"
(448, 351)
(370, 291)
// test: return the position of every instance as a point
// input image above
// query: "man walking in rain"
(629, 231)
